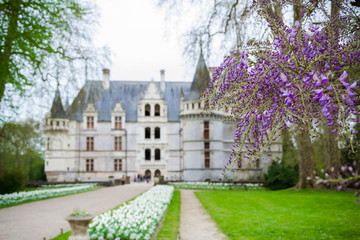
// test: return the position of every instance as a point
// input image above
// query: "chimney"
(162, 77)
(106, 78)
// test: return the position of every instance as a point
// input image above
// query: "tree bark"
(11, 35)
(306, 159)
(331, 150)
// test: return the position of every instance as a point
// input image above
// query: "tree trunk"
(306, 159)
(331, 150)
(11, 34)
(297, 10)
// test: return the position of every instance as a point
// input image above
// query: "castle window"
(51, 123)
(90, 122)
(63, 124)
(207, 159)
(89, 165)
(157, 132)
(90, 143)
(147, 133)
(57, 123)
(206, 130)
(147, 110)
(157, 110)
(193, 106)
(117, 165)
(199, 105)
(117, 143)
(206, 145)
(118, 122)
(147, 154)
(157, 154)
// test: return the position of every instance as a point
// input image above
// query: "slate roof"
(201, 80)
(57, 110)
(128, 93)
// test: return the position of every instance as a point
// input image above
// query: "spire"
(57, 110)
(201, 79)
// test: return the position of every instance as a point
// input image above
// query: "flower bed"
(19, 197)
(210, 185)
(136, 220)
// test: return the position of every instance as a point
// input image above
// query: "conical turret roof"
(57, 110)
(200, 81)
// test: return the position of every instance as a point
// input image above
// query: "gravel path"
(195, 222)
(45, 219)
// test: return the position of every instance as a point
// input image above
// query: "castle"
(147, 128)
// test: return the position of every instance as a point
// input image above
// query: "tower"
(206, 136)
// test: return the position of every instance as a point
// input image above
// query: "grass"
(29, 201)
(285, 214)
(170, 226)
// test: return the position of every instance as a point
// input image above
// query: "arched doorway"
(147, 173)
(157, 173)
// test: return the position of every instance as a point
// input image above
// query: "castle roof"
(128, 93)
(57, 110)
(201, 80)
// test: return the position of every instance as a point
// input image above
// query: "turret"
(57, 119)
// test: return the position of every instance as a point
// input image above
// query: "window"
(63, 124)
(157, 132)
(207, 159)
(206, 130)
(147, 133)
(89, 165)
(117, 143)
(206, 145)
(51, 123)
(57, 123)
(157, 154)
(118, 122)
(157, 173)
(157, 110)
(147, 110)
(117, 165)
(147, 154)
(90, 122)
(90, 143)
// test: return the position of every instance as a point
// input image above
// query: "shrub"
(12, 181)
(281, 176)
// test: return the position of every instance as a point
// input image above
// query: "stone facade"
(117, 128)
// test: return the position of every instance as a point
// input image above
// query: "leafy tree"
(22, 149)
(47, 40)
(298, 79)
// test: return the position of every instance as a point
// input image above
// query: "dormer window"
(90, 122)
(157, 110)
(147, 110)
(118, 122)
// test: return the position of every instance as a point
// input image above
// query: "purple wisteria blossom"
(299, 79)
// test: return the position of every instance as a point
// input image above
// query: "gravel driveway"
(45, 219)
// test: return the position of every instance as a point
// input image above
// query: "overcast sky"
(140, 40)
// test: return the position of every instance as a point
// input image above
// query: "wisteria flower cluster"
(135, 220)
(210, 185)
(347, 177)
(19, 197)
(299, 79)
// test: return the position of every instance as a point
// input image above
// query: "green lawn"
(170, 226)
(285, 214)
